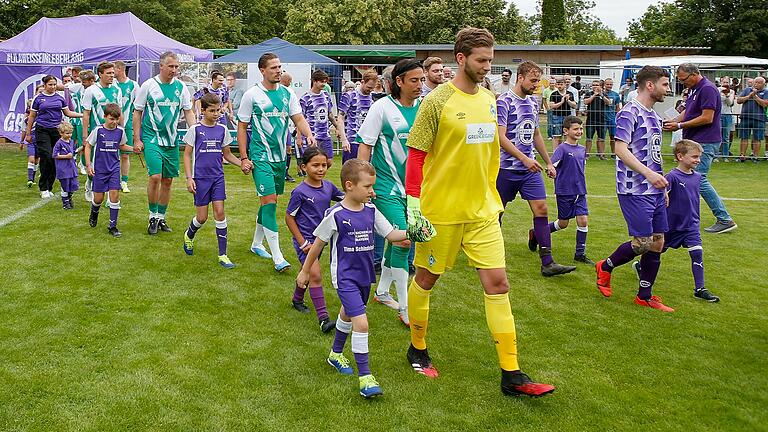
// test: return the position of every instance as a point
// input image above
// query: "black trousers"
(46, 139)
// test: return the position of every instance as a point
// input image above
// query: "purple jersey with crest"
(316, 109)
(350, 234)
(48, 109)
(521, 118)
(683, 210)
(354, 105)
(640, 128)
(570, 159)
(65, 168)
(207, 143)
(105, 149)
(308, 205)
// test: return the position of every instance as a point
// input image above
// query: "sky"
(615, 14)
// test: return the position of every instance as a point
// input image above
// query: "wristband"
(679, 125)
(303, 245)
(243, 158)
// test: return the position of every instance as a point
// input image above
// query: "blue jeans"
(708, 192)
(549, 124)
(726, 120)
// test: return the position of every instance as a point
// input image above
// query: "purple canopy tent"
(53, 43)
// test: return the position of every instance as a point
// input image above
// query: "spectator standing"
(504, 85)
(727, 120)
(573, 92)
(754, 100)
(235, 93)
(595, 103)
(700, 122)
(545, 94)
(610, 113)
(561, 104)
(433, 73)
(625, 89)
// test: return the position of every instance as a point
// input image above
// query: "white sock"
(385, 280)
(274, 245)
(400, 277)
(359, 342)
(258, 236)
(32, 166)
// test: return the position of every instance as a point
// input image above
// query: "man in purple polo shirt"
(701, 123)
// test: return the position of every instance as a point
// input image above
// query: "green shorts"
(162, 160)
(393, 208)
(128, 140)
(269, 177)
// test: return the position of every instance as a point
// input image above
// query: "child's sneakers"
(224, 261)
(369, 387)
(93, 219)
(340, 363)
(114, 232)
(300, 306)
(387, 300)
(704, 294)
(282, 267)
(261, 252)
(189, 244)
(583, 259)
(326, 325)
(124, 187)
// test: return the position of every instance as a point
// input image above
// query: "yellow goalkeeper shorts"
(481, 242)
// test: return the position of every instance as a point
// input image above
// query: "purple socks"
(581, 240)
(113, 217)
(221, 238)
(31, 174)
(193, 227)
(622, 255)
(363, 368)
(340, 339)
(543, 238)
(697, 267)
(298, 293)
(318, 300)
(649, 268)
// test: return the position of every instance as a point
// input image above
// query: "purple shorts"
(570, 206)
(208, 190)
(69, 184)
(32, 147)
(105, 182)
(645, 214)
(354, 298)
(686, 239)
(352, 153)
(300, 253)
(327, 146)
(528, 184)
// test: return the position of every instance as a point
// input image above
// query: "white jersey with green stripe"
(269, 113)
(96, 97)
(76, 91)
(386, 128)
(126, 102)
(162, 105)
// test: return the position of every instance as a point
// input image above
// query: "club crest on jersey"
(655, 142)
(431, 260)
(493, 110)
(525, 131)
(285, 101)
(177, 93)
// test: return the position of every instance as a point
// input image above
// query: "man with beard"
(454, 152)
(433, 72)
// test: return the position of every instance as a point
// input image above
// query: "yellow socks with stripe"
(418, 310)
(498, 313)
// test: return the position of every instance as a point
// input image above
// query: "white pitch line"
(21, 213)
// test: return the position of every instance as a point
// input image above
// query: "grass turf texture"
(100, 334)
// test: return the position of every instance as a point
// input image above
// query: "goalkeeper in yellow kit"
(453, 161)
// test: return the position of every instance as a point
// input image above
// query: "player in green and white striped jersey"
(267, 107)
(384, 132)
(129, 88)
(157, 109)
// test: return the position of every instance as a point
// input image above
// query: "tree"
(727, 26)
(580, 28)
(440, 20)
(552, 20)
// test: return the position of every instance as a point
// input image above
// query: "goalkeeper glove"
(419, 227)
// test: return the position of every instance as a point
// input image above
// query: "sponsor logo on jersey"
(480, 133)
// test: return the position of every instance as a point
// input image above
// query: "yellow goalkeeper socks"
(418, 312)
(498, 313)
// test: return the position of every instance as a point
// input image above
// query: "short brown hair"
(429, 61)
(265, 58)
(527, 67)
(352, 168)
(469, 38)
(650, 73)
(319, 75)
(86, 75)
(370, 74)
(112, 110)
(120, 65)
(209, 99)
(683, 147)
(571, 120)
(103, 66)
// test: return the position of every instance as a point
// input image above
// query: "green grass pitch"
(103, 334)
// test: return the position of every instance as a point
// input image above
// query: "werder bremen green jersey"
(76, 91)
(268, 112)
(126, 102)
(162, 105)
(386, 128)
(96, 97)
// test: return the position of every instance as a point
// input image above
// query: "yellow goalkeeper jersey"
(460, 135)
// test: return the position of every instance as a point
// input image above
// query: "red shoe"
(603, 279)
(653, 302)
(517, 383)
